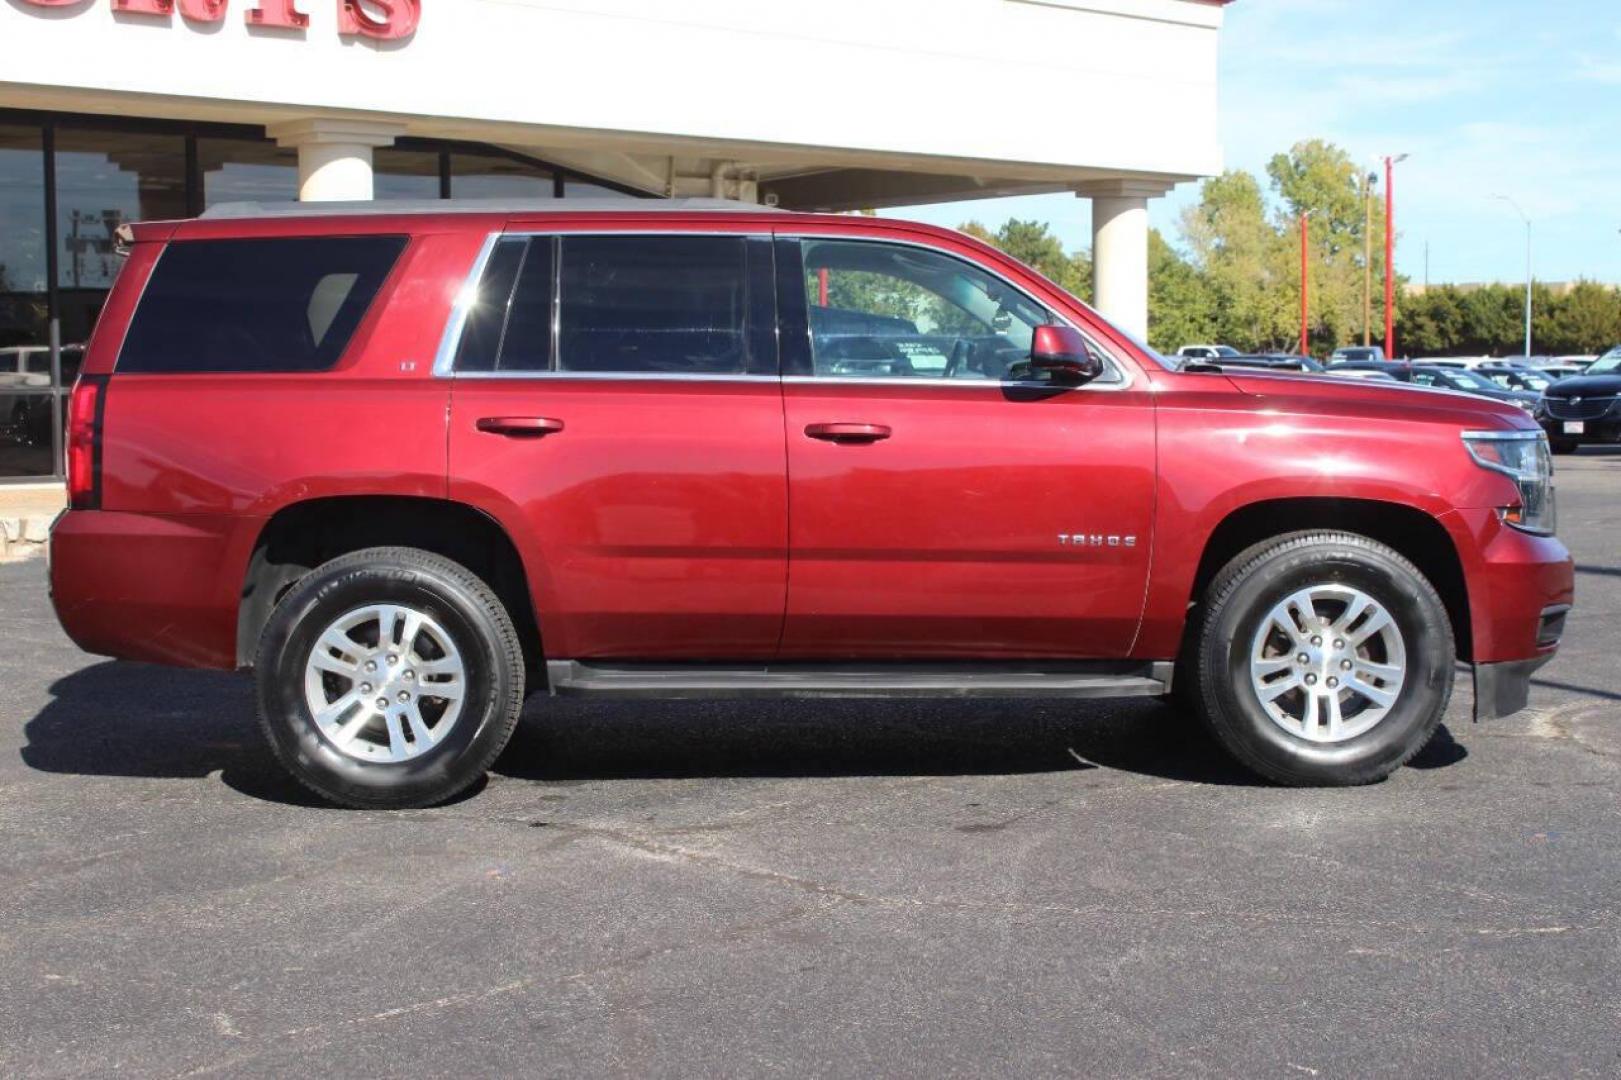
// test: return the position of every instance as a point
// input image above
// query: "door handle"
(520, 427)
(847, 432)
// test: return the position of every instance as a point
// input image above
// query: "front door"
(941, 505)
(617, 407)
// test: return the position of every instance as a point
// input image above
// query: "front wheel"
(1323, 658)
(389, 678)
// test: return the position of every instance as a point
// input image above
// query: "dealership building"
(121, 110)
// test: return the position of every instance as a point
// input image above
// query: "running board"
(1085, 679)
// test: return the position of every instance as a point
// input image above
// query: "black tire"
(463, 605)
(1247, 589)
(1564, 446)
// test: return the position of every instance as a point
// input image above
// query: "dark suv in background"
(1584, 408)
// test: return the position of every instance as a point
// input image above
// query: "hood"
(1529, 397)
(1583, 385)
(1298, 393)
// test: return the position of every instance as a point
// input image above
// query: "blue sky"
(1518, 97)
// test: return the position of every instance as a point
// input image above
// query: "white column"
(334, 156)
(1120, 249)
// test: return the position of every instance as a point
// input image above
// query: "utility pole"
(1527, 221)
(1390, 253)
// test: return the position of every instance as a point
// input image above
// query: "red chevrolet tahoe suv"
(410, 464)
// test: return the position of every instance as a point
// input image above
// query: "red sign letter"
(278, 14)
(203, 10)
(385, 20)
(144, 7)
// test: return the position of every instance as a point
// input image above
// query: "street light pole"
(1527, 221)
(1304, 281)
(1390, 254)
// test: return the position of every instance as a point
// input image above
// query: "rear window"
(259, 305)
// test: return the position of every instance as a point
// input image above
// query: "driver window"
(881, 310)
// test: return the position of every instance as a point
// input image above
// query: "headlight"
(1523, 457)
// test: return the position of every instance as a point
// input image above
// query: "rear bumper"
(154, 587)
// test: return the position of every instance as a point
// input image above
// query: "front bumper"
(1605, 430)
(1504, 688)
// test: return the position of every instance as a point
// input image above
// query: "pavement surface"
(812, 888)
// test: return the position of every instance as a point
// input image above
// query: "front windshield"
(1607, 364)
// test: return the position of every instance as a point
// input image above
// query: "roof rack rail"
(629, 205)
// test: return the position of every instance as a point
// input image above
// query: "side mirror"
(1063, 355)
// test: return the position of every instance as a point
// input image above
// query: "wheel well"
(1412, 532)
(300, 537)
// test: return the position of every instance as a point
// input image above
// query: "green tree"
(1033, 243)
(1320, 179)
(1243, 260)
(1585, 320)
(1181, 308)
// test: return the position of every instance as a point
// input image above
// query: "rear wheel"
(389, 678)
(1323, 658)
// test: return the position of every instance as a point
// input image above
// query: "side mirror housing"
(1063, 355)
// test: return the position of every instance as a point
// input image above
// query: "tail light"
(85, 408)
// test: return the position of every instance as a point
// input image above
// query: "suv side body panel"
(193, 465)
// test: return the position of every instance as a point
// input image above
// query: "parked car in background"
(1350, 371)
(1356, 352)
(1275, 361)
(411, 462)
(1207, 352)
(1516, 376)
(1584, 408)
(1444, 378)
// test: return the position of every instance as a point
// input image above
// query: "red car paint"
(715, 520)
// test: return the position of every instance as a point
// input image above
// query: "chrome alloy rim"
(384, 683)
(1327, 663)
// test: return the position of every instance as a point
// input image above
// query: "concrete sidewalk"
(26, 512)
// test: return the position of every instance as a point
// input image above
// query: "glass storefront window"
(110, 171)
(246, 170)
(22, 237)
(103, 179)
(405, 174)
(576, 189)
(476, 176)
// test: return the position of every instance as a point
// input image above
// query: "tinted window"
(509, 321)
(282, 304)
(527, 344)
(641, 304)
(487, 309)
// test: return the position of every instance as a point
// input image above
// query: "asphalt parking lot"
(812, 888)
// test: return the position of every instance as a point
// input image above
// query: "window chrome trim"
(444, 360)
(455, 324)
(621, 376)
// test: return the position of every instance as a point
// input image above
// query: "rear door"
(941, 505)
(616, 405)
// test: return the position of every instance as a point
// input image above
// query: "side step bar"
(1084, 679)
